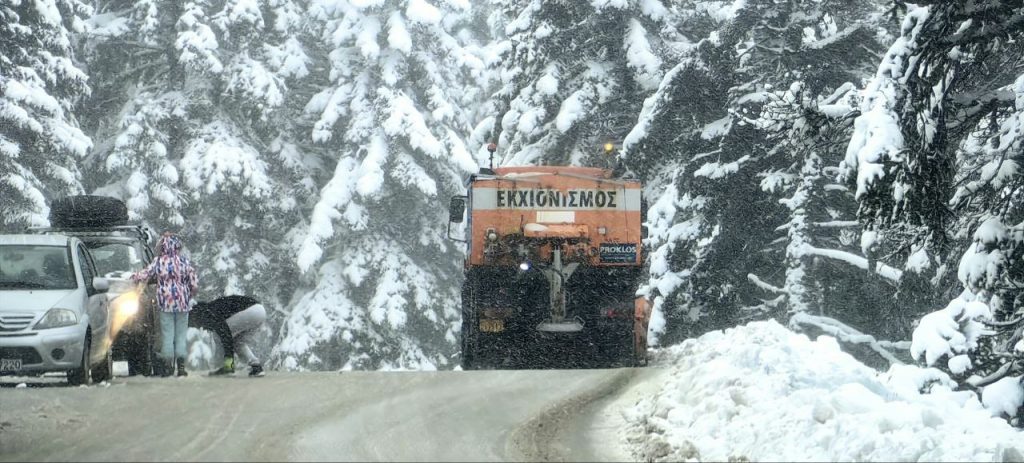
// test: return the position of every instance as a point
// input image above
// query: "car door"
(149, 291)
(97, 306)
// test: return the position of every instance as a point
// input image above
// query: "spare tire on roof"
(88, 211)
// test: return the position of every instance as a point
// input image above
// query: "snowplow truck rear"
(555, 257)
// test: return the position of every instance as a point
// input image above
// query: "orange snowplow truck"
(554, 261)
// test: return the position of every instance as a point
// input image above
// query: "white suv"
(54, 313)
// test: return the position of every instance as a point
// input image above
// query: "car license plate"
(10, 364)
(492, 326)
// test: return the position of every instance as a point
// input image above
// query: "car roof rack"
(140, 230)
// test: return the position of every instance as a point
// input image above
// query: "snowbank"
(761, 392)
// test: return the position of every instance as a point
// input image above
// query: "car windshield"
(115, 260)
(35, 267)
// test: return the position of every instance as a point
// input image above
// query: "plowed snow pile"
(762, 392)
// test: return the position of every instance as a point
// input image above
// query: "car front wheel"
(83, 374)
(105, 370)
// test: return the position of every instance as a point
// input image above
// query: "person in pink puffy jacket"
(176, 283)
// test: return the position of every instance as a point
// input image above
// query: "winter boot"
(166, 367)
(227, 369)
(256, 370)
(181, 367)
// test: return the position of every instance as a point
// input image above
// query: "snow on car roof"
(45, 240)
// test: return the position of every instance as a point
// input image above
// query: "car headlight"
(57, 318)
(127, 305)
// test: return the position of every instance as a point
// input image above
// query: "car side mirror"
(456, 209)
(101, 284)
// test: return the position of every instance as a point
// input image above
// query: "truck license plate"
(10, 364)
(492, 326)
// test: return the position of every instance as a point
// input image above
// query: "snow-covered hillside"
(862, 157)
(761, 392)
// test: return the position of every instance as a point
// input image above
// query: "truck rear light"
(612, 313)
(602, 230)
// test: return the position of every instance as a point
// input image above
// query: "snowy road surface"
(391, 416)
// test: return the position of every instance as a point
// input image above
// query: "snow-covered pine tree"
(194, 116)
(702, 141)
(40, 82)
(827, 285)
(572, 76)
(392, 119)
(935, 156)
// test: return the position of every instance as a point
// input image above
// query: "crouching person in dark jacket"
(235, 320)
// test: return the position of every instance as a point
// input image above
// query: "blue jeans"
(173, 327)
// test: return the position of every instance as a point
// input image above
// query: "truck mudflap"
(642, 319)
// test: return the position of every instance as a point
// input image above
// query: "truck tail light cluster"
(613, 313)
